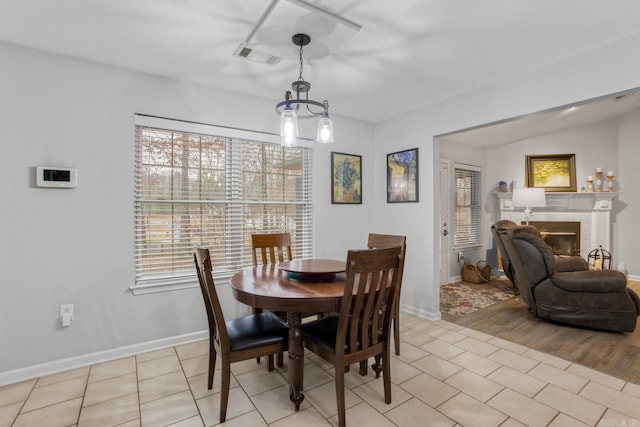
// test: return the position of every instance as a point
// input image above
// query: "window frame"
(474, 206)
(184, 279)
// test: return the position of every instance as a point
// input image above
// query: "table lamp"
(528, 198)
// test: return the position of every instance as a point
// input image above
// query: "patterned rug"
(461, 298)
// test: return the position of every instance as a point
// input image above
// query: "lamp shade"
(529, 198)
(325, 131)
(288, 128)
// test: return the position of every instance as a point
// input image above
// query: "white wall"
(76, 246)
(609, 69)
(594, 146)
(474, 156)
(415, 220)
(625, 228)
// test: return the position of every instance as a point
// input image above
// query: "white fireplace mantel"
(592, 210)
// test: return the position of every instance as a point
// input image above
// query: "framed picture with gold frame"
(346, 178)
(553, 172)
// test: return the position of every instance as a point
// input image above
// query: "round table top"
(272, 288)
(312, 269)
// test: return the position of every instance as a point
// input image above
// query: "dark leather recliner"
(596, 299)
(563, 263)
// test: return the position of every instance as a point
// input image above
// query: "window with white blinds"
(467, 206)
(202, 185)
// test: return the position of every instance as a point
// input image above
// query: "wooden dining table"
(294, 287)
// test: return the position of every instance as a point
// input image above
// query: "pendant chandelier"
(301, 107)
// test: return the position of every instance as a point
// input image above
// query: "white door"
(445, 221)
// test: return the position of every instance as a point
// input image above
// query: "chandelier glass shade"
(301, 107)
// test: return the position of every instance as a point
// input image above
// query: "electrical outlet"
(66, 309)
(66, 315)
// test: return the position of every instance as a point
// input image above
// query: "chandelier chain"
(301, 66)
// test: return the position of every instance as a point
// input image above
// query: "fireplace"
(562, 236)
(592, 211)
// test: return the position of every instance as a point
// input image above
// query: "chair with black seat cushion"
(377, 241)
(358, 332)
(271, 248)
(238, 339)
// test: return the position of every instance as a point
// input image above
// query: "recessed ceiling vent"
(246, 52)
(269, 40)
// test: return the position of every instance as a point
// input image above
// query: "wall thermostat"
(56, 177)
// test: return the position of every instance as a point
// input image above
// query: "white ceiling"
(544, 122)
(407, 54)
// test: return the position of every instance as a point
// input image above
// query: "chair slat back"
(372, 283)
(217, 325)
(272, 247)
(378, 241)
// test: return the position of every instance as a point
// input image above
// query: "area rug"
(461, 298)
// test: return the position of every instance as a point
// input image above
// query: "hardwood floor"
(614, 353)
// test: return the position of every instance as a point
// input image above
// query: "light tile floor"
(446, 376)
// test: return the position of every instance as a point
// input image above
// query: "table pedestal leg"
(296, 359)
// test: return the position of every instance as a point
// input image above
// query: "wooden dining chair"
(238, 339)
(388, 241)
(355, 334)
(271, 248)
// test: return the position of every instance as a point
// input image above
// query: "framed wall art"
(346, 178)
(553, 172)
(402, 176)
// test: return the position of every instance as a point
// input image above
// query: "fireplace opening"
(562, 236)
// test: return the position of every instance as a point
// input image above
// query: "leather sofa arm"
(590, 281)
(571, 263)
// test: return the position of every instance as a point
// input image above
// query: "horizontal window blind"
(202, 189)
(467, 205)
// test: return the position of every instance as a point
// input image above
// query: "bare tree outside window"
(205, 190)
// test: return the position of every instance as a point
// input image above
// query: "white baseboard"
(30, 372)
(420, 313)
(454, 279)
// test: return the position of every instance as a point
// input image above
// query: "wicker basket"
(481, 272)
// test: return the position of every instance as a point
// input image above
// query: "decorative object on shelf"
(610, 180)
(590, 184)
(346, 178)
(598, 180)
(402, 176)
(503, 187)
(599, 259)
(292, 109)
(528, 198)
(552, 172)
